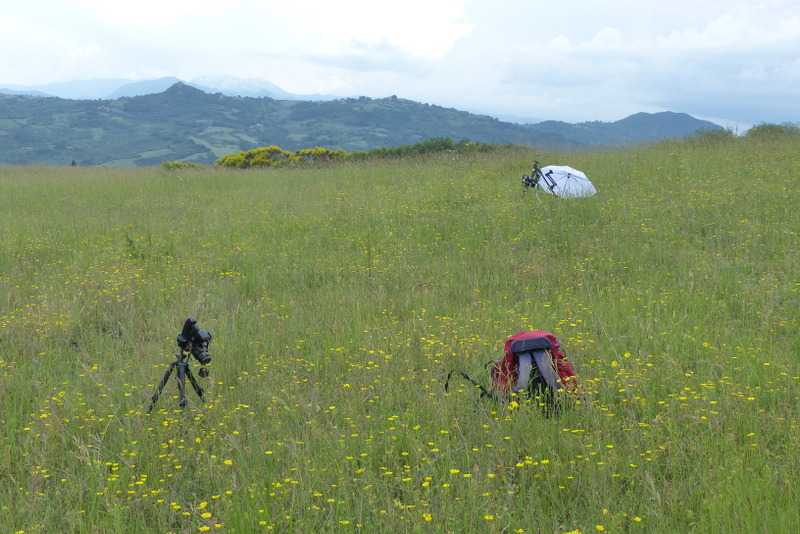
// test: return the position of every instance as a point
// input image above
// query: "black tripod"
(183, 372)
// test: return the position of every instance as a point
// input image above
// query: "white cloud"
(152, 14)
(607, 38)
(577, 60)
(419, 27)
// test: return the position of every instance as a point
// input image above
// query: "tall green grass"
(340, 297)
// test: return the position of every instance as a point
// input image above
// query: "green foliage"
(714, 136)
(772, 131)
(176, 165)
(270, 156)
(234, 161)
(318, 154)
(431, 146)
(339, 297)
(275, 157)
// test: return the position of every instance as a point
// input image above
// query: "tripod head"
(181, 360)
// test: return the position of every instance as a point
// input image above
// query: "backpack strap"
(524, 374)
(465, 376)
(546, 369)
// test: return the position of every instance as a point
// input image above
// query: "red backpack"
(532, 361)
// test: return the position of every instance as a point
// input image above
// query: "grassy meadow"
(339, 298)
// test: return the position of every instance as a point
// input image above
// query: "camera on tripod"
(195, 340)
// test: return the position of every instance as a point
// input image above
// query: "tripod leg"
(183, 367)
(163, 383)
(195, 385)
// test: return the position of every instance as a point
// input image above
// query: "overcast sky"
(736, 62)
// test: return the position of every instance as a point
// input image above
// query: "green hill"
(186, 124)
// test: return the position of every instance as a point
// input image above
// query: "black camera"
(196, 340)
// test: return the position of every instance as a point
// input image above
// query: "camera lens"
(201, 354)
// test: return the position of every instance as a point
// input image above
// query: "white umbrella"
(561, 181)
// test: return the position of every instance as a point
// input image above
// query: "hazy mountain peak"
(233, 85)
(144, 87)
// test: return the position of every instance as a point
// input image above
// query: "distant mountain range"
(145, 123)
(111, 89)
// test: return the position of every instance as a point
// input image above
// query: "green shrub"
(269, 156)
(175, 165)
(273, 156)
(318, 154)
(771, 131)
